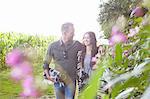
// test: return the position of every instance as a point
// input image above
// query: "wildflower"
(115, 30)
(117, 38)
(26, 68)
(133, 31)
(21, 70)
(16, 73)
(138, 12)
(13, 58)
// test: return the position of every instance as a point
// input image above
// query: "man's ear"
(63, 33)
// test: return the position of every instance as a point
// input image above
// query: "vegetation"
(111, 10)
(123, 72)
(128, 63)
(35, 46)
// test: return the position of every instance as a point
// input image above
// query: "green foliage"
(118, 52)
(111, 10)
(7, 86)
(130, 70)
(36, 47)
(9, 41)
(90, 92)
(10, 89)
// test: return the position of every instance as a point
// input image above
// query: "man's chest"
(68, 52)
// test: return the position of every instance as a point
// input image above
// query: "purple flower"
(29, 89)
(138, 12)
(16, 73)
(133, 32)
(30, 93)
(117, 38)
(21, 70)
(26, 68)
(28, 82)
(13, 58)
(115, 30)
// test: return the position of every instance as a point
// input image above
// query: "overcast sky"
(46, 16)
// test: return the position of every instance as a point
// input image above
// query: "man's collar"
(61, 42)
(67, 43)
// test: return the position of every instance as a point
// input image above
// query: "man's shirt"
(64, 56)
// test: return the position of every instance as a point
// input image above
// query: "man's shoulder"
(55, 43)
(77, 43)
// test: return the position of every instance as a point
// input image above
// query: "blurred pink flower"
(26, 68)
(29, 87)
(21, 70)
(115, 30)
(133, 31)
(13, 58)
(28, 92)
(28, 82)
(138, 12)
(16, 73)
(117, 38)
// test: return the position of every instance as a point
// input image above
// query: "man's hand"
(48, 76)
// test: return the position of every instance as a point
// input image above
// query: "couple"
(64, 54)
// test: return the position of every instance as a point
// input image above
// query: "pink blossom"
(13, 58)
(133, 31)
(26, 68)
(117, 38)
(138, 12)
(29, 87)
(21, 70)
(115, 30)
(28, 82)
(28, 92)
(35, 93)
(16, 73)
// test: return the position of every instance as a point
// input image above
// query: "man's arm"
(47, 61)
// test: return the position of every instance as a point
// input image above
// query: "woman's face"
(86, 40)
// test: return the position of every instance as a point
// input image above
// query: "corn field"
(9, 41)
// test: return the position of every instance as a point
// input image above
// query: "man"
(64, 53)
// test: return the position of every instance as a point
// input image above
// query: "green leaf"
(94, 84)
(118, 54)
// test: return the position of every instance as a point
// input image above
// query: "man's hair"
(65, 27)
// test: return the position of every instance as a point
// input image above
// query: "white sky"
(46, 16)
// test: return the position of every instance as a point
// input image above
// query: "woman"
(90, 50)
(88, 56)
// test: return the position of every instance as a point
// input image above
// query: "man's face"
(70, 33)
